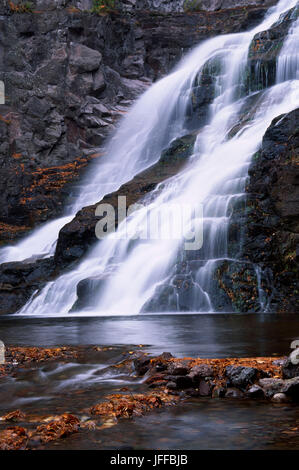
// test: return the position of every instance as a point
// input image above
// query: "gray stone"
(239, 376)
(205, 388)
(289, 369)
(84, 59)
(99, 83)
(255, 392)
(272, 386)
(280, 398)
(178, 368)
(181, 381)
(201, 371)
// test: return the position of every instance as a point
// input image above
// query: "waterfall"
(151, 124)
(133, 272)
(288, 61)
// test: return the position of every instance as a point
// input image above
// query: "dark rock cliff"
(268, 272)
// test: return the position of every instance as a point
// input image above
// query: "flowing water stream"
(214, 179)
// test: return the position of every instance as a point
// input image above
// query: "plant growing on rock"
(192, 5)
(103, 6)
(21, 7)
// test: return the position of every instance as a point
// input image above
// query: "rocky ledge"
(266, 378)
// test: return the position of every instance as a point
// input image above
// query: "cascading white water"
(149, 127)
(288, 61)
(215, 176)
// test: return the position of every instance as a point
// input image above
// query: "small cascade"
(155, 275)
(288, 60)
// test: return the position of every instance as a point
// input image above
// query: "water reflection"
(205, 335)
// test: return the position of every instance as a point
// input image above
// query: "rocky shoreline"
(167, 381)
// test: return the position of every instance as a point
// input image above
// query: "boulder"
(280, 398)
(200, 372)
(142, 364)
(241, 377)
(20, 280)
(255, 391)
(291, 388)
(289, 369)
(178, 368)
(272, 386)
(84, 59)
(205, 388)
(180, 381)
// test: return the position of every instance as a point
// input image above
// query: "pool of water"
(48, 389)
(200, 424)
(205, 335)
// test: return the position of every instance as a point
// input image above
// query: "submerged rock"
(233, 392)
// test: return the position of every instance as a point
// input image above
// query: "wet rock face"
(268, 276)
(19, 281)
(264, 51)
(272, 229)
(238, 285)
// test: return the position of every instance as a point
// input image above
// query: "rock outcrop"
(264, 51)
(268, 276)
(19, 281)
